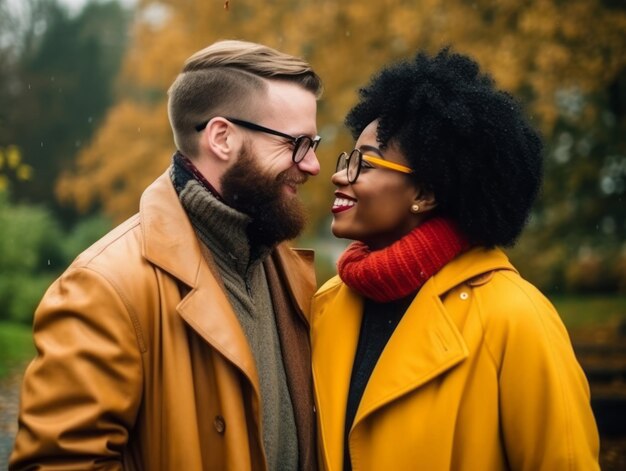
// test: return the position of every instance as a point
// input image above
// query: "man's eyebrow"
(365, 149)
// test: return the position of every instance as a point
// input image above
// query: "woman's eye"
(366, 165)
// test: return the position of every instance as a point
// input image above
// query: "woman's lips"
(342, 203)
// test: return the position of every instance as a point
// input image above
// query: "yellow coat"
(479, 375)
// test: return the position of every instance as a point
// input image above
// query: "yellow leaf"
(13, 157)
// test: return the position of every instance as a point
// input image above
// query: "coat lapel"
(171, 243)
(427, 342)
(297, 272)
(333, 354)
(425, 345)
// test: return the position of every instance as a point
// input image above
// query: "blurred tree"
(564, 59)
(60, 78)
(577, 238)
(7, 70)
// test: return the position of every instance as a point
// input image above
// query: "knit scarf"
(403, 267)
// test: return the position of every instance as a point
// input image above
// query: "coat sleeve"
(81, 393)
(546, 417)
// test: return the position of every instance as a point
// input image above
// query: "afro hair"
(467, 142)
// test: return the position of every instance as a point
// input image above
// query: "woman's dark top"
(379, 322)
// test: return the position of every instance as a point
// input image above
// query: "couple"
(184, 339)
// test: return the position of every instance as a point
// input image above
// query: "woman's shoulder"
(329, 286)
(509, 295)
(512, 310)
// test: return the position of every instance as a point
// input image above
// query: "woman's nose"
(340, 178)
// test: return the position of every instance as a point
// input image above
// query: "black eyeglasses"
(301, 144)
(353, 163)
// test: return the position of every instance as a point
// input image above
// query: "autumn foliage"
(543, 51)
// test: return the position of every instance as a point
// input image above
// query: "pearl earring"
(415, 208)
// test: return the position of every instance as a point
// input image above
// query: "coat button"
(464, 295)
(220, 424)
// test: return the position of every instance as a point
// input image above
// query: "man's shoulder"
(121, 244)
(112, 243)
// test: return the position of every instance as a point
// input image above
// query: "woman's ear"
(218, 138)
(424, 202)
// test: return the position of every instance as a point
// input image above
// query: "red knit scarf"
(403, 267)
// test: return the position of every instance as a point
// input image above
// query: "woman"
(430, 352)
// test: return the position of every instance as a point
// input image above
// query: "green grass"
(16, 346)
(583, 311)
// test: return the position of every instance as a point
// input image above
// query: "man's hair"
(466, 141)
(221, 79)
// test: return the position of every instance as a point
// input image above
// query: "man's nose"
(310, 164)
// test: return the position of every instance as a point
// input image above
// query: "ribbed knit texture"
(403, 267)
(223, 231)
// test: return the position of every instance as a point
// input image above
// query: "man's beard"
(248, 189)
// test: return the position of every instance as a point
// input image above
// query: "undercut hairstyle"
(224, 79)
(466, 141)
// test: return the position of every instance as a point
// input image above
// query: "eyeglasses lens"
(342, 162)
(302, 146)
(354, 164)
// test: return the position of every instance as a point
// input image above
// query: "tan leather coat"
(142, 363)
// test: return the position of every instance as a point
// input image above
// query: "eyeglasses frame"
(375, 161)
(257, 127)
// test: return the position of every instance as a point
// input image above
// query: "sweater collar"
(219, 226)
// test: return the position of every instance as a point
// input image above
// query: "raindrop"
(41, 143)
(90, 119)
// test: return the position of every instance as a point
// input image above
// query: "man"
(179, 340)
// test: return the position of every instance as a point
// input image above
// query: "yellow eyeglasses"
(353, 163)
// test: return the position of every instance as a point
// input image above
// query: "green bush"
(85, 233)
(20, 294)
(34, 250)
(29, 239)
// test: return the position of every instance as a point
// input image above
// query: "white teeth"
(343, 202)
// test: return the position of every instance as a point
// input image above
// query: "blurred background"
(84, 129)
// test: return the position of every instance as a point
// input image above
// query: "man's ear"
(219, 139)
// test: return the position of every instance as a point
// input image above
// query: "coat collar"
(169, 242)
(468, 265)
(426, 343)
(407, 364)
